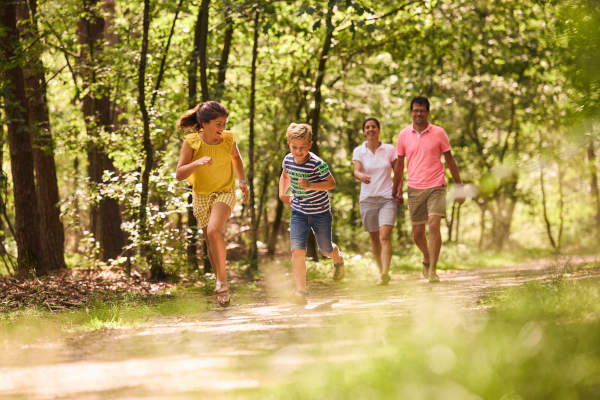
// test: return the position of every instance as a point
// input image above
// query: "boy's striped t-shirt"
(313, 170)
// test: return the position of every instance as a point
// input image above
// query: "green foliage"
(503, 78)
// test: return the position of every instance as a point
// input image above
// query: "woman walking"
(374, 162)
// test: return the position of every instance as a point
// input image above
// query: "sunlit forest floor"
(515, 332)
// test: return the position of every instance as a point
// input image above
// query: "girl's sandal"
(223, 297)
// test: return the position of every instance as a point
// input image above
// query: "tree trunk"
(227, 40)
(264, 188)
(545, 212)
(52, 234)
(165, 54)
(594, 184)
(482, 210)
(450, 221)
(271, 247)
(503, 214)
(457, 231)
(153, 257)
(316, 112)
(198, 53)
(318, 97)
(27, 228)
(253, 255)
(561, 205)
(192, 239)
(106, 216)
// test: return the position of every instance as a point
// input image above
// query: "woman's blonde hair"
(299, 131)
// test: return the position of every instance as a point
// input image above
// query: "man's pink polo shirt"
(423, 155)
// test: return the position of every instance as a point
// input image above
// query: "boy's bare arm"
(327, 184)
(284, 185)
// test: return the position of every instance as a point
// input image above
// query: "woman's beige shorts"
(202, 204)
(376, 212)
(425, 202)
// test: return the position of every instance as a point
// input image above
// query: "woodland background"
(91, 91)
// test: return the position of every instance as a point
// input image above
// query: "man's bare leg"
(435, 245)
(420, 239)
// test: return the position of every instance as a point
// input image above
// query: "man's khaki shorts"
(425, 202)
(202, 204)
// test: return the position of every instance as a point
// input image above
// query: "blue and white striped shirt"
(313, 170)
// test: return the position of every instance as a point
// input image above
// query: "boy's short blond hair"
(300, 132)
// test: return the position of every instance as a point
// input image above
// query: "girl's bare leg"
(219, 215)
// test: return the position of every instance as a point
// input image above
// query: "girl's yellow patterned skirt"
(202, 204)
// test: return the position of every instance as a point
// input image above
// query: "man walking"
(422, 144)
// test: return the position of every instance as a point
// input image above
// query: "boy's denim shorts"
(320, 225)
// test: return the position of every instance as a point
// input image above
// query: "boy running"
(310, 179)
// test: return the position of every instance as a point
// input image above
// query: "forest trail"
(249, 344)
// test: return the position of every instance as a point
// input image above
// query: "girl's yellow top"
(217, 177)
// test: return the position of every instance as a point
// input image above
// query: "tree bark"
(163, 59)
(591, 155)
(106, 216)
(264, 188)
(318, 97)
(316, 112)
(227, 41)
(276, 227)
(198, 53)
(27, 227)
(253, 255)
(52, 234)
(153, 257)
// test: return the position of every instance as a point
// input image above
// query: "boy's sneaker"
(338, 269)
(301, 297)
(338, 272)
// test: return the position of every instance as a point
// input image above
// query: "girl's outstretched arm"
(185, 166)
(238, 167)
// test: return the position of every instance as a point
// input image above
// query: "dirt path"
(246, 345)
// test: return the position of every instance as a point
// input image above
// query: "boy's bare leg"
(435, 243)
(299, 266)
(214, 232)
(336, 254)
(385, 234)
(421, 240)
(376, 249)
(338, 262)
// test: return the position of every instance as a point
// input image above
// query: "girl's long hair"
(202, 113)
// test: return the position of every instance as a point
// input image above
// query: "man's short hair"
(419, 100)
